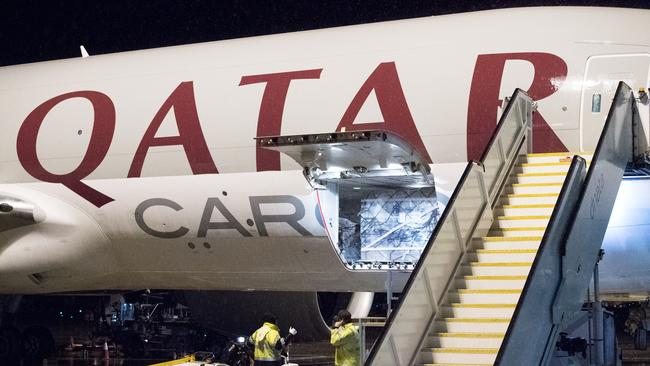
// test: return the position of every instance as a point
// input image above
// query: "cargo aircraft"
(148, 169)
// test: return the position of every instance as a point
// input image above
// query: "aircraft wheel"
(10, 346)
(38, 343)
(641, 339)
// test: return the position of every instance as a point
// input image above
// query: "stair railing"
(468, 214)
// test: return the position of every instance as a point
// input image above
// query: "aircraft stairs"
(512, 256)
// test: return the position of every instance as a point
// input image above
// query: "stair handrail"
(399, 345)
(518, 114)
(564, 263)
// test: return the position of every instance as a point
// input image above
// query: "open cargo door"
(376, 193)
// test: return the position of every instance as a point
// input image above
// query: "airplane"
(147, 169)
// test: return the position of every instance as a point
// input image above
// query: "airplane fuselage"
(145, 164)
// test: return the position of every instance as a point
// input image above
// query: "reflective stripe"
(267, 359)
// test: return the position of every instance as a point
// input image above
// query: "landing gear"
(10, 345)
(38, 343)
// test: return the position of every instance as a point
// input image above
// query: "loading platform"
(509, 264)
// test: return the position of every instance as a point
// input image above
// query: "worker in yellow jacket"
(268, 343)
(345, 339)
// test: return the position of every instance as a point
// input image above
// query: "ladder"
(513, 253)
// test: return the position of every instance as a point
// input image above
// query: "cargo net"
(393, 226)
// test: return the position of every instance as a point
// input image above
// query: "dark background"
(39, 30)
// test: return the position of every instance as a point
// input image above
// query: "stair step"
(548, 177)
(553, 157)
(525, 210)
(518, 231)
(472, 325)
(558, 166)
(534, 188)
(461, 355)
(508, 242)
(466, 340)
(485, 296)
(521, 221)
(505, 255)
(529, 198)
(491, 282)
(497, 269)
(457, 310)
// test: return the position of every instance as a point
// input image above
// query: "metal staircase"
(480, 306)
(511, 258)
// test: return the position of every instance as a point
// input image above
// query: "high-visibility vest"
(265, 340)
(345, 340)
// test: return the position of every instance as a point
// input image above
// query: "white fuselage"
(127, 208)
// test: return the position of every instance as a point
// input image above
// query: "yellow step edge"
(557, 163)
(532, 228)
(548, 174)
(536, 184)
(533, 205)
(545, 164)
(477, 320)
(566, 153)
(532, 195)
(473, 351)
(512, 238)
(470, 335)
(501, 264)
(483, 306)
(531, 217)
(498, 292)
(506, 251)
(490, 278)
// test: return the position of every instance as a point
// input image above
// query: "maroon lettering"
(190, 134)
(269, 122)
(100, 141)
(550, 73)
(384, 80)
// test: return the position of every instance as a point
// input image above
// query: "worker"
(345, 339)
(268, 343)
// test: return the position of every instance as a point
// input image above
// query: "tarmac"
(304, 354)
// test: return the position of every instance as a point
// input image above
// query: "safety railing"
(468, 214)
(504, 145)
(363, 324)
(561, 272)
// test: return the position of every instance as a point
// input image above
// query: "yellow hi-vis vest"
(265, 340)
(345, 340)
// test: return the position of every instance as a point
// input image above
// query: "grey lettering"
(145, 205)
(292, 219)
(231, 223)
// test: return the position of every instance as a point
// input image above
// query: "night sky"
(39, 30)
